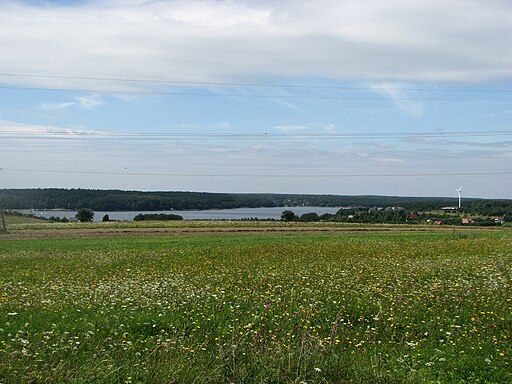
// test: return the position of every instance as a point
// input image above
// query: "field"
(10, 219)
(372, 307)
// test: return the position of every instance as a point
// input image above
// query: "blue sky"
(343, 97)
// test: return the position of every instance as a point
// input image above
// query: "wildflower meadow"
(302, 308)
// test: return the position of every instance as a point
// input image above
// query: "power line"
(244, 84)
(205, 136)
(245, 95)
(284, 175)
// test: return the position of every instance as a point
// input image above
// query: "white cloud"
(387, 159)
(444, 143)
(89, 101)
(38, 131)
(401, 98)
(56, 106)
(331, 128)
(211, 40)
(223, 124)
(501, 113)
(292, 128)
(86, 102)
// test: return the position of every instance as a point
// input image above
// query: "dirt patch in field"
(26, 234)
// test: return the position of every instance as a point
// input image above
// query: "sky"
(347, 97)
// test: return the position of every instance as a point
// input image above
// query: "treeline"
(489, 207)
(116, 200)
(394, 216)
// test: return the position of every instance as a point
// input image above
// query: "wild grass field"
(299, 308)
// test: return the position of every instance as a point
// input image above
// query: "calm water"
(212, 214)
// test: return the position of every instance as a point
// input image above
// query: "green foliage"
(115, 200)
(58, 219)
(288, 215)
(157, 216)
(85, 215)
(392, 308)
(398, 215)
(308, 217)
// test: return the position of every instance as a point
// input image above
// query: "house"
(500, 220)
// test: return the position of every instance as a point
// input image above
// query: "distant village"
(401, 215)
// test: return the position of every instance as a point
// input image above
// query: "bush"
(157, 216)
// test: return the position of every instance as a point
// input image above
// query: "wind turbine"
(459, 191)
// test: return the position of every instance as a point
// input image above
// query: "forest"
(118, 200)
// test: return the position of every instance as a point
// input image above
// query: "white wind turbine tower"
(459, 191)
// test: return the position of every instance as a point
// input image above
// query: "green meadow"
(422, 307)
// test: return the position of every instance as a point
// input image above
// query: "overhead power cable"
(283, 175)
(245, 84)
(206, 136)
(247, 95)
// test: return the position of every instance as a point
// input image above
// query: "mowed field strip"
(38, 230)
(385, 305)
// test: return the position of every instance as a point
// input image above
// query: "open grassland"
(47, 230)
(301, 308)
(38, 224)
(16, 220)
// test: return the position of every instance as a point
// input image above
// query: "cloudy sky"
(392, 97)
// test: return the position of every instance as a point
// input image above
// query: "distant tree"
(58, 219)
(310, 217)
(84, 215)
(288, 216)
(157, 216)
(326, 217)
(105, 218)
(139, 217)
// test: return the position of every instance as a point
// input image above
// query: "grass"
(363, 308)
(43, 225)
(34, 225)
(10, 220)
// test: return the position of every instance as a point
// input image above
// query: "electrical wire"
(241, 84)
(283, 175)
(246, 95)
(206, 136)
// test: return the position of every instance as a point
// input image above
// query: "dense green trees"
(157, 216)
(394, 216)
(310, 217)
(288, 216)
(115, 200)
(84, 215)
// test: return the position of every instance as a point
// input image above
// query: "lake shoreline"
(261, 213)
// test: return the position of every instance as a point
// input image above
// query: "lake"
(211, 214)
